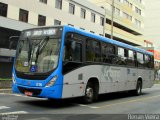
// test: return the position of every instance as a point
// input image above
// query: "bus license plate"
(28, 93)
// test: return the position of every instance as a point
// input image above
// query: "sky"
(152, 22)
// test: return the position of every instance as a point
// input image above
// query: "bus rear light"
(52, 81)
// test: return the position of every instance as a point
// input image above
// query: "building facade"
(16, 15)
(128, 20)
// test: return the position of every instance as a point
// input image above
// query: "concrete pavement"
(115, 103)
(5, 86)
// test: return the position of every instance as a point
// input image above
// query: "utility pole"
(113, 8)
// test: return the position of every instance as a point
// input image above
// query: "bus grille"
(35, 92)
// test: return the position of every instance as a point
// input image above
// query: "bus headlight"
(52, 81)
(13, 79)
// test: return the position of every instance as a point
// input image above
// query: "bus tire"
(138, 90)
(89, 93)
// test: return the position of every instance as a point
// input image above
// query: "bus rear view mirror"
(13, 42)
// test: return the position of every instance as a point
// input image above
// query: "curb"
(6, 90)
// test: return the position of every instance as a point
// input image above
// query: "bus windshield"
(37, 53)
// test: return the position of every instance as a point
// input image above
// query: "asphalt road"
(112, 106)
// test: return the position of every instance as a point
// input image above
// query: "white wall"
(35, 7)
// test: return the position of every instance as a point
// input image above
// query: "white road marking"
(15, 112)
(4, 107)
(20, 95)
(89, 106)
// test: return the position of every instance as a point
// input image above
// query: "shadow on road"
(66, 103)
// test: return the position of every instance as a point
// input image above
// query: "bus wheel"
(138, 90)
(89, 93)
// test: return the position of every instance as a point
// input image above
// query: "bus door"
(131, 70)
(121, 68)
(72, 62)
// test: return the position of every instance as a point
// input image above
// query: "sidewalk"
(5, 86)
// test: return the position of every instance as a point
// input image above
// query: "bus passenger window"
(122, 56)
(93, 51)
(108, 53)
(148, 61)
(130, 60)
(140, 59)
(73, 51)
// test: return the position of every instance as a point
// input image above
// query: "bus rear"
(37, 66)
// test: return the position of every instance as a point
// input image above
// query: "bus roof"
(92, 35)
(95, 36)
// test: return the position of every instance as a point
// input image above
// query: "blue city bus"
(60, 62)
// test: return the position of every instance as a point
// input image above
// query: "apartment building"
(16, 15)
(128, 20)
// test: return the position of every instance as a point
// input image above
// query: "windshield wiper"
(41, 46)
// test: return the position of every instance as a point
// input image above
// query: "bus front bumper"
(54, 92)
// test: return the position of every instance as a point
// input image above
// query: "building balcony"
(128, 37)
(124, 22)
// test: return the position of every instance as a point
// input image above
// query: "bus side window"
(108, 53)
(122, 57)
(93, 53)
(73, 51)
(130, 60)
(140, 60)
(151, 62)
(147, 61)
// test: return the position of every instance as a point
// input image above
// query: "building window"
(92, 32)
(137, 23)
(83, 13)
(82, 28)
(57, 22)
(137, 10)
(117, 11)
(93, 17)
(23, 15)
(58, 4)
(3, 9)
(71, 25)
(127, 16)
(126, 2)
(101, 21)
(71, 8)
(41, 20)
(43, 1)
(130, 5)
(140, 1)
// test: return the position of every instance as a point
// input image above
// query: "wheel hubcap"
(139, 89)
(89, 93)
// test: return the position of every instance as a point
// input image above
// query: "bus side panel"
(76, 80)
(132, 76)
(111, 79)
(148, 78)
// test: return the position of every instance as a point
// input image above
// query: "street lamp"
(112, 19)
